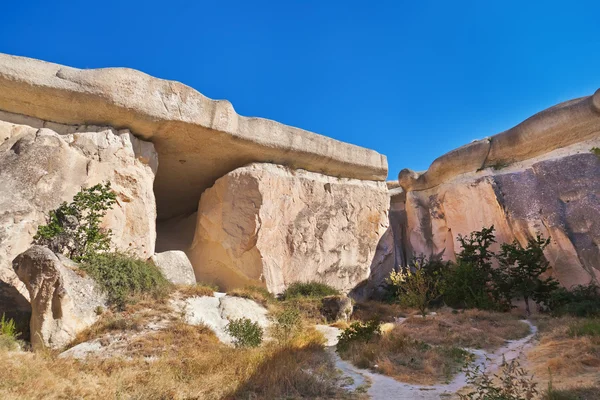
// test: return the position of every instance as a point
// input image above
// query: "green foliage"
(512, 383)
(311, 289)
(74, 229)
(286, 324)
(8, 333)
(580, 301)
(590, 327)
(472, 282)
(520, 271)
(123, 277)
(245, 333)
(596, 151)
(419, 285)
(358, 332)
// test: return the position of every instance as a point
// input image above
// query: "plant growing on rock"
(74, 229)
(245, 332)
(521, 269)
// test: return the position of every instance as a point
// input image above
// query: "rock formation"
(63, 300)
(538, 177)
(175, 266)
(269, 225)
(44, 164)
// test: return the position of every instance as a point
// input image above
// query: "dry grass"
(471, 328)
(406, 359)
(258, 294)
(187, 362)
(570, 359)
(197, 290)
(384, 312)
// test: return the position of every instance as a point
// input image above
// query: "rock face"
(539, 177)
(268, 225)
(63, 300)
(336, 308)
(175, 266)
(43, 164)
(198, 139)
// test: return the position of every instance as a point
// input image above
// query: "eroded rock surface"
(268, 225)
(64, 301)
(198, 139)
(43, 164)
(175, 266)
(539, 177)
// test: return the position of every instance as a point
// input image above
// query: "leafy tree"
(521, 269)
(74, 229)
(418, 285)
(245, 332)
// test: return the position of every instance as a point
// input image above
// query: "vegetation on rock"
(245, 332)
(311, 289)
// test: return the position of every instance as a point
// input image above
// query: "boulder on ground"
(336, 308)
(269, 225)
(175, 267)
(64, 301)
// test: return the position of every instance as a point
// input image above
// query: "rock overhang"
(198, 139)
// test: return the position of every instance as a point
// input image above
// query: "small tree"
(521, 269)
(74, 229)
(416, 287)
(245, 332)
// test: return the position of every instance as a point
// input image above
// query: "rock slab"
(175, 266)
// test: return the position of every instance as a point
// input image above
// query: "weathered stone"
(336, 308)
(175, 266)
(199, 139)
(268, 225)
(556, 194)
(40, 168)
(63, 300)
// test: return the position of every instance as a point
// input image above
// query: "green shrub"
(585, 328)
(596, 151)
(580, 301)
(417, 288)
(358, 332)
(123, 277)
(308, 289)
(245, 333)
(511, 383)
(8, 333)
(286, 324)
(74, 229)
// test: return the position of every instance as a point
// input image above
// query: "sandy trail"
(383, 387)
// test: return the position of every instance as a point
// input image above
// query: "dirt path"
(383, 387)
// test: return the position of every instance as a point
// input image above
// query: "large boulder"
(175, 266)
(269, 225)
(539, 177)
(64, 301)
(43, 164)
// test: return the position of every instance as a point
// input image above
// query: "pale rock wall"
(43, 164)
(268, 225)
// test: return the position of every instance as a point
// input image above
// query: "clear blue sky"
(410, 79)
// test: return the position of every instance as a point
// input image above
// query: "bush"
(245, 333)
(416, 288)
(123, 277)
(358, 332)
(585, 328)
(580, 301)
(74, 229)
(311, 289)
(8, 333)
(512, 383)
(286, 324)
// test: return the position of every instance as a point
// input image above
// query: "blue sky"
(411, 80)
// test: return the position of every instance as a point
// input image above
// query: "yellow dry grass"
(571, 361)
(180, 362)
(384, 312)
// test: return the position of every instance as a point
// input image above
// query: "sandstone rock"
(175, 266)
(199, 139)
(336, 308)
(63, 300)
(556, 194)
(215, 312)
(269, 225)
(42, 167)
(560, 126)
